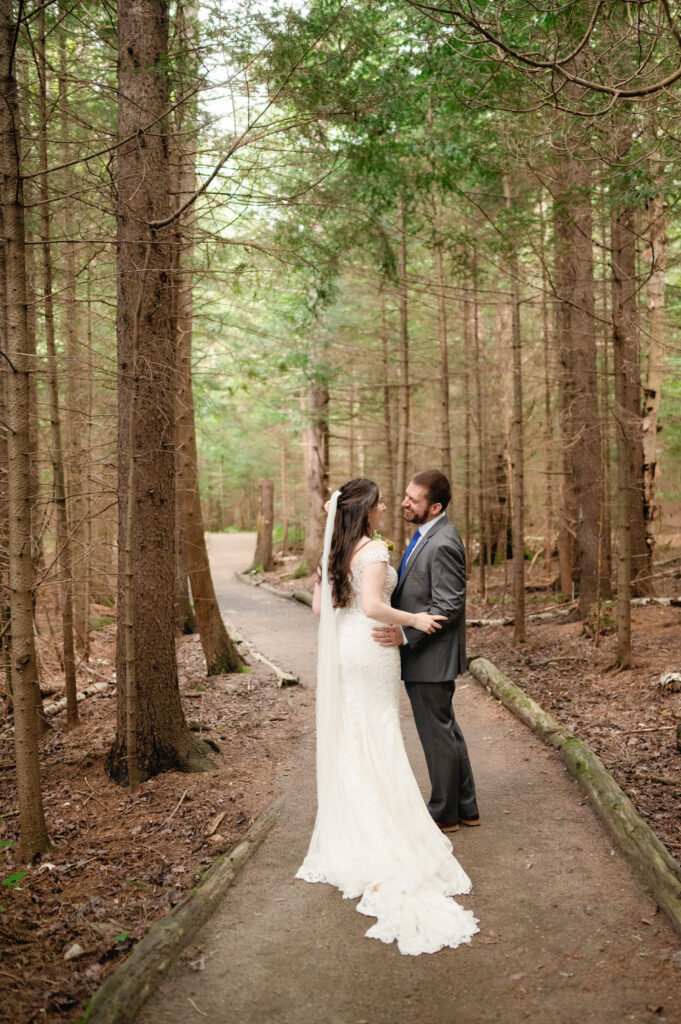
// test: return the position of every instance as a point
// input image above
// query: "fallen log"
(661, 871)
(120, 999)
(53, 708)
(659, 778)
(509, 620)
(283, 677)
(90, 691)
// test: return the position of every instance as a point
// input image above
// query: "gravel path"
(568, 932)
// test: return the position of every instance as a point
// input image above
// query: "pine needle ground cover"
(119, 864)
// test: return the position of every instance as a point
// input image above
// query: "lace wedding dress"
(373, 837)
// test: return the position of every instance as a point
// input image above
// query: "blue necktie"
(412, 544)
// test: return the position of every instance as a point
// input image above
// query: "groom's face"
(417, 508)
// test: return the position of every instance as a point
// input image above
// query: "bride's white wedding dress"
(373, 837)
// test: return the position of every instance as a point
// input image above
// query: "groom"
(432, 577)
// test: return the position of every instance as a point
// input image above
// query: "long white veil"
(328, 698)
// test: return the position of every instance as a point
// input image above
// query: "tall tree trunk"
(389, 496)
(567, 511)
(33, 832)
(657, 255)
(262, 560)
(283, 483)
(76, 375)
(63, 534)
(479, 415)
(625, 292)
(548, 414)
(145, 386)
(580, 413)
(467, 331)
(404, 385)
(316, 448)
(445, 434)
(517, 450)
(5, 619)
(183, 180)
(622, 312)
(351, 432)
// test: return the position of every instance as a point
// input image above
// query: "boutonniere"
(388, 543)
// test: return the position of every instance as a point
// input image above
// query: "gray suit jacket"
(435, 581)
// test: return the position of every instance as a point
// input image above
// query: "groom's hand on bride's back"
(388, 636)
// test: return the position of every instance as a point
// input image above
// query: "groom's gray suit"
(434, 580)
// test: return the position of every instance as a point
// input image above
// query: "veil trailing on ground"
(328, 684)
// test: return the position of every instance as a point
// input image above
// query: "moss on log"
(634, 837)
(120, 999)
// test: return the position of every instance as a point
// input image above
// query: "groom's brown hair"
(436, 485)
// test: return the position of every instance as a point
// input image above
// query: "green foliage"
(101, 622)
(12, 881)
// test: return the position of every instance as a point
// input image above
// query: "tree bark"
(262, 560)
(389, 462)
(548, 412)
(76, 376)
(656, 253)
(316, 449)
(5, 620)
(60, 501)
(404, 382)
(517, 449)
(627, 421)
(33, 837)
(479, 404)
(146, 379)
(467, 332)
(624, 281)
(580, 413)
(283, 483)
(445, 433)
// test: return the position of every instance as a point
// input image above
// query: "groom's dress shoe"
(471, 822)
(447, 827)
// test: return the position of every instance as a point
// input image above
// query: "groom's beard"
(416, 519)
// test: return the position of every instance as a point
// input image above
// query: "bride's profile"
(373, 837)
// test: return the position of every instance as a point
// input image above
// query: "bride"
(374, 837)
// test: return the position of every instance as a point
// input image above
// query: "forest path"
(568, 934)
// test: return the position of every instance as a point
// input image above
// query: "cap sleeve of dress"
(374, 552)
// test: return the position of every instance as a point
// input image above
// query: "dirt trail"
(568, 932)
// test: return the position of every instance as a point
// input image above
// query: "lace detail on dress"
(378, 840)
(371, 554)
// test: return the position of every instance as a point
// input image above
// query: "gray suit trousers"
(451, 778)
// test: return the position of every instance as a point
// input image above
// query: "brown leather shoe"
(453, 826)
(471, 822)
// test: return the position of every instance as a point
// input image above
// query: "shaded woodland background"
(243, 242)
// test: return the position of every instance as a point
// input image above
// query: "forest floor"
(119, 864)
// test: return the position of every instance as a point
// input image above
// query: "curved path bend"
(568, 933)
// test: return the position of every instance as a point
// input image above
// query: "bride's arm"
(374, 607)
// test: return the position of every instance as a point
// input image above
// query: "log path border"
(123, 994)
(659, 869)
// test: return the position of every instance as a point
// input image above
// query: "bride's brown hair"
(356, 501)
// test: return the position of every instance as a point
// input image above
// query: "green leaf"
(12, 881)
(7, 843)
(121, 937)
